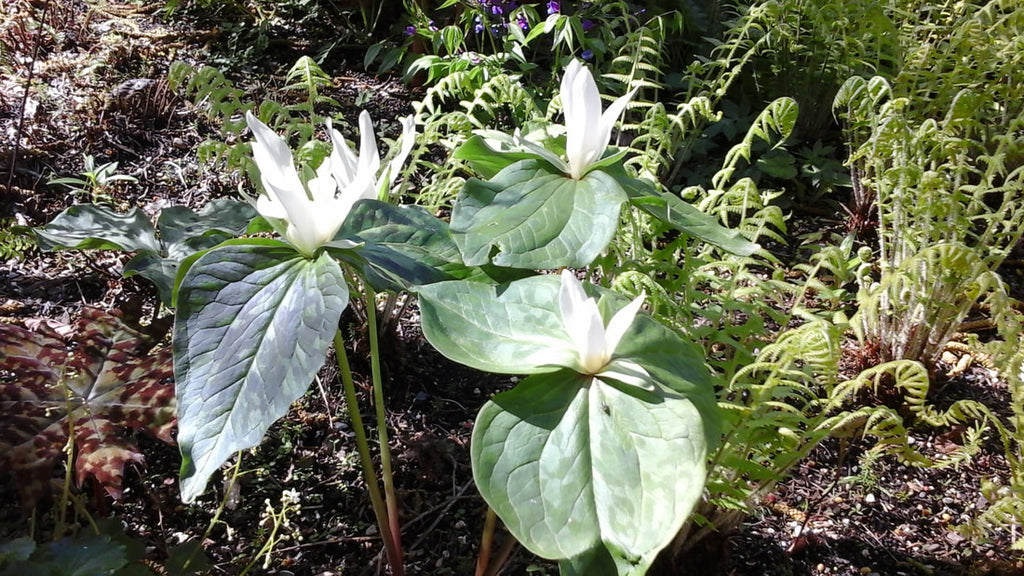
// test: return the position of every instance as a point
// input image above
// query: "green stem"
(236, 471)
(486, 540)
(382, 428)
(363, 447)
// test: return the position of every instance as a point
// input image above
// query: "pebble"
(870, 498)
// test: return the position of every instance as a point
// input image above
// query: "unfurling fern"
(501, 100)
(772, 126)
(914, 310)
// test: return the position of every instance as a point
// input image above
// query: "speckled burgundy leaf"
(106, 379)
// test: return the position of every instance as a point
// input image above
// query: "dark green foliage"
(179, 233)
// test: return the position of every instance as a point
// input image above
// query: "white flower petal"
(369, 158)
(570, 299)
(565, 90)
(323, 186)
(277, 172)
(310, 215)
(344, 161)
(610, 116)
(621, 322)
(408, 140)
(629, 373)
(587, 130)
(582, 321)
(269, 208)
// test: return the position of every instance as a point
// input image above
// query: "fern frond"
(307, 76)
(773, 125)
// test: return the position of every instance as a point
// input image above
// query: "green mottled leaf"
(570, 463)
(530, 216)
(253, 325)
(93, 555)
(493, 328)
(485, 159)
(17, 550)
(159, 251)
(400, 246)
(187, 559)
(88, 226)
(575, 464)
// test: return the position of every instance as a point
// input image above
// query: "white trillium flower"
(308, 215)
(595, 343)
(587, 129)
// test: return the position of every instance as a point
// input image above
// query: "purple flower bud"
(431, 26)
(588, 54)
(553, 7)
(588, 25)
(410, 30)
(522, 21)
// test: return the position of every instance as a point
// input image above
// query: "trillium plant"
(556, 201)
(255, 316)
(594, 459)
(597, 458)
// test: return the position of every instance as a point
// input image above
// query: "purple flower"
(431, 26)
(410, 30)
(522, 21)
(497, 10)
(478, 25)
(588, 25)
(553, 7)
(588, 54)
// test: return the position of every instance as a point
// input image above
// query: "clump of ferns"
(861, 210)
(950, 211)
(781, 405)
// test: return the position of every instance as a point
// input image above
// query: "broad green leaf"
(536, 218)
(485, 160)
(17, 550)
(570, 463)
(672, 210)
(158, 270)
(592, 562)
(253, 325)
(493, 328)
(532, 464)
(88, 226)
(184, 232)
(400, 246)
(187, 559)
(94, 555)
(574, 464)
(490, 151)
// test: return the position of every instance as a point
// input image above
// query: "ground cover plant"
(619, 297)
